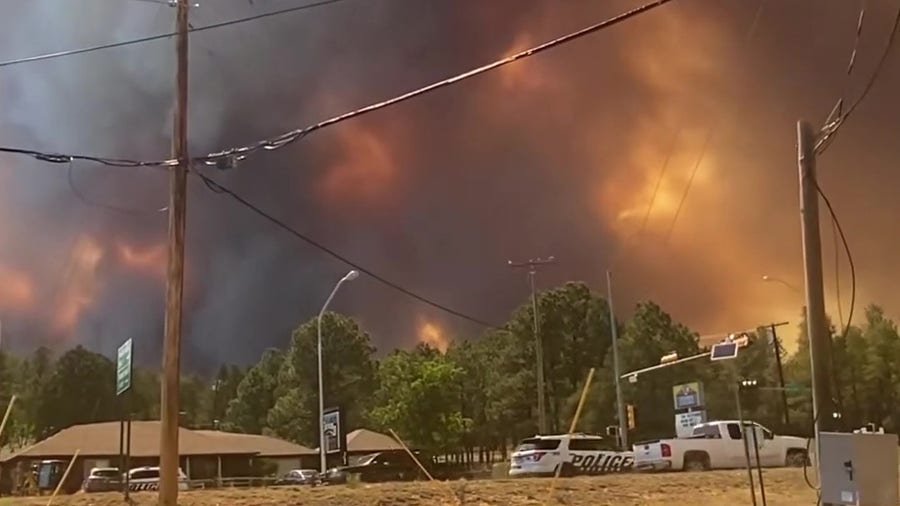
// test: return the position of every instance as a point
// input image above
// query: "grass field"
(784, 487)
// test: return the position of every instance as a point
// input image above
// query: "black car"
(378, 467)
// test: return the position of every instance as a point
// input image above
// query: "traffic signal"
(630, 412)
(748, 384)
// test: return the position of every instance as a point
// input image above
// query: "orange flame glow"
(77, 292)
(432, 335)
(364, 170)
(151, 261)
(16, 289)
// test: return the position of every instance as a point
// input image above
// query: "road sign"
(123, 368)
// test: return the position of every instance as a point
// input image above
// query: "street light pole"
(620, 406)
(350, 276)
(533, 265)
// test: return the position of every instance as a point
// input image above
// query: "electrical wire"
(852, 265)
(690, 183)
(837, 273)
(236, 154)
(751, 32)
(659, 180)
(70, 179)
(111, 45)
(223, 190)
(833, 125)
(230, 157)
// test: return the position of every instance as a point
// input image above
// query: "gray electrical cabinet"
(858, 469)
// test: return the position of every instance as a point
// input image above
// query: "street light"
(350, 276)
(773, 279)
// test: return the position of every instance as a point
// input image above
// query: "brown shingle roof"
(365, 440)
(102, 439)
(263, 446)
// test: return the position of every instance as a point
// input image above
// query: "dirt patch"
(784, 487)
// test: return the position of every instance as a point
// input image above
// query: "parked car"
(299, 477)
(103, 479)
(572, 454)
(378, 467)
(147, 478)
(720, 445)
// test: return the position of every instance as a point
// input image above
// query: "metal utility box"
(858, 469)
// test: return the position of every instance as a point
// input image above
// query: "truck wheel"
(797, 458)
(695, 462)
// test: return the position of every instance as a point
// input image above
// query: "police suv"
(573, 454)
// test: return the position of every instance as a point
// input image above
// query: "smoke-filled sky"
(558, 154)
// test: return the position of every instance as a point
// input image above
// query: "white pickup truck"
(718, 445)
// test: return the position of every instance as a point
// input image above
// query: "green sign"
(123, 368)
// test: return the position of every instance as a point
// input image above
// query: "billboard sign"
(333, 431)
(685, 422)
(688, 395)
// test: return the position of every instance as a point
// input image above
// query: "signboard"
(724, 351)
(123, 368)
(334, 434)
(685, 422)
(688, 395)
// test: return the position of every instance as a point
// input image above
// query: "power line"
(659, 180)
(834, 124)
(751, 32)
(840, 230)
(141, 40)
(230, 157)
(223, 190)
(690, 183)
(70, 179)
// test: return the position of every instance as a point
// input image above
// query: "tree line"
(479, 396)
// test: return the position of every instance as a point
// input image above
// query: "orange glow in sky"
(432, 335)
(77, 290)
(365, 168)
(150, 260)
(16, 289)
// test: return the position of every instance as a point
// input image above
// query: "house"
(203, 454)
(363, 441)
(283, 454)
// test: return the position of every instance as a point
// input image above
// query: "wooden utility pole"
(532, 266)
(816, 328)
(169, 409)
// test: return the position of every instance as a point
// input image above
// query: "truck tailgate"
(650, 450)
(651, 455)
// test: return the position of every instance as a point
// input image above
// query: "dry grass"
(784, 487)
